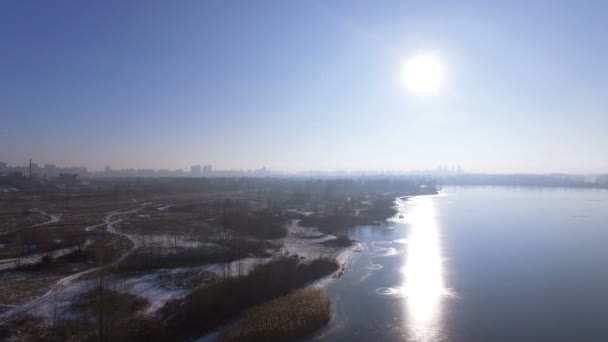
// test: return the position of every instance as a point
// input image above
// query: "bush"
(123, 321)
(380, 209)
(338, 220)
(283, 319)
(147, 258)
(45, 263)
(134, 328)
(78, 256)
(340, 241)
(115, 303)
(333, 223)
(262, 224)
(216, 304)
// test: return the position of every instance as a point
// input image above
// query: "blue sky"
(304, 85)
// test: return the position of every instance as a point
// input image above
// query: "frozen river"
(479, 264)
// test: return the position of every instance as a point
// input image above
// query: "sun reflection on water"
(423, 274)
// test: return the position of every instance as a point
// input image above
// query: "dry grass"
(19, 287)
(285, 318)
(218, 303)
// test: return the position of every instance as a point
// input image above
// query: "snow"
(305, 213)
(11, 263)
(171, 241)
(297, 242)
(151, 287)
(306, 242)
(60, 294)
(52, 218)
(93, 227)
(162, 286)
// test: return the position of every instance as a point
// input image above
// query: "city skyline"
(197, 170)
(203, 170)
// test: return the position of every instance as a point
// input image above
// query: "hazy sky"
(300, 85)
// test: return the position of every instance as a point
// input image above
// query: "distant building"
(163, 173)
(108, 170)
(195, 171)
(261, 172)
(34, 169)
(68, 177)
(50, 170)
(11, 178)
(207, 169)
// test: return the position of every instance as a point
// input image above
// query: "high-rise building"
(34, 169)
(207, 169)
(195, 171)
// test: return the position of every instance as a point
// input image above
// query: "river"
(479, 264)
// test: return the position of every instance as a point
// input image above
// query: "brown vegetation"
(120, 312)
(336, 220)
(156, 258)
(211, 306)
(283, 319)
(340, 241)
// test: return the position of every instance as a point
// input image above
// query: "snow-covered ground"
(11, 263)
(308, 243)
(296, 211)
(161, 286)
(53, 218)
(171, 241)
(61, 294)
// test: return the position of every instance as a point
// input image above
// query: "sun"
(423, 74)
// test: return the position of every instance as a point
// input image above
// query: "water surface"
(480, 264)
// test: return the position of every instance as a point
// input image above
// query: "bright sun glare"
(422, 74)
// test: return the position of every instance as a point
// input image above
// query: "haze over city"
(296, 86)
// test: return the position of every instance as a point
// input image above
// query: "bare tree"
(100, 308)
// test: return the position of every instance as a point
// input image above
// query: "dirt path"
(53, 218)
(64, 289)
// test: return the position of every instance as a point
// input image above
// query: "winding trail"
(53, 218)
(65, 289)
(300, 241)
(10, 263)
